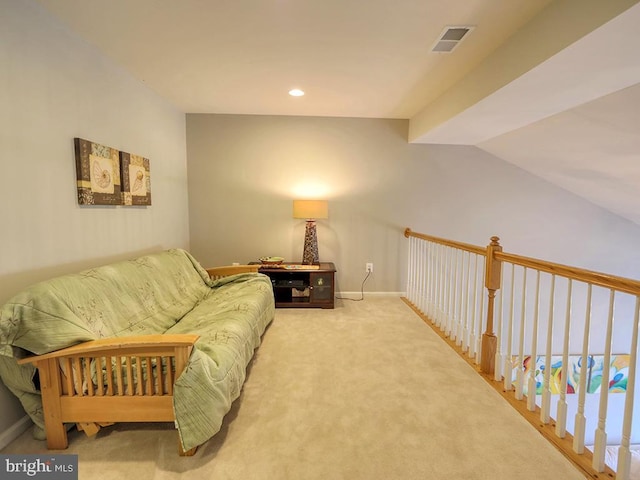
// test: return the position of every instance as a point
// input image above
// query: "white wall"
(54, 87)
(244, 172)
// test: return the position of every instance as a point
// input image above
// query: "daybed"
(155, 339)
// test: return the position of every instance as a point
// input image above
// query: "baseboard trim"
(14, 431)
(358, 295)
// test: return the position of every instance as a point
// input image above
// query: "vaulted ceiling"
(549, 85)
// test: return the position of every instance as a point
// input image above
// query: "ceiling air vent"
(450, 38)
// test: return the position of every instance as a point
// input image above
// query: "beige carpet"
(365, 391)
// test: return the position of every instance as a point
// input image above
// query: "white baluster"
(465, 315)
(458, 301)
(624, 454)
(415, 294)
(461, 297)
(427, 277)
(437, 277)
(523, 316)
(580, 419)
(439, 284)
(483, 315)
(422, 268)
(421, 264)
(452, 328)
(447, 301)
(416, 264)
(601, 432)
(443, 281)
(472, 326)
(429, 280)
(545, 408)
(434, 282)
(410, 288)
(497, 374)
(454, 298)
(561, 421)
(415, 273)
(447, 291)
(443, 287)
(532, 387)
(508, 361)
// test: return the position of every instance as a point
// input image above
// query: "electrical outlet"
(368, 268)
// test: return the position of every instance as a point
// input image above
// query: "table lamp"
(310, 210)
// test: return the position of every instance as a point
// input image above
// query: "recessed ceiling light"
(296, 92)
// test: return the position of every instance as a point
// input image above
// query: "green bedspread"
(168, 292)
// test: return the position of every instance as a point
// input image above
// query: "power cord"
(361, 291)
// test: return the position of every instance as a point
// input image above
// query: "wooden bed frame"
(122, 391)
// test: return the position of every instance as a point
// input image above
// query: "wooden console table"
(302, 286)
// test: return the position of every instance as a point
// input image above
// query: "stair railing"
(445, 282)
(542, 322)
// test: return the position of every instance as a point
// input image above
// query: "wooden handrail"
(449, 243)
(600, 279)
(620, 284)
(495, 256)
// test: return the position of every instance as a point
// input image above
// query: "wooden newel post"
(493, 280)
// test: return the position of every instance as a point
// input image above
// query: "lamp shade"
(310, 209)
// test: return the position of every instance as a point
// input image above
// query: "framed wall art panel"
(136, 179)
(97, 173)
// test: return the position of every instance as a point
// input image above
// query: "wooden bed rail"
(219, 272)
(525, 306)
(100, 382)
(121, 345)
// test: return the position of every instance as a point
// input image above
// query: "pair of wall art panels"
(107, 176)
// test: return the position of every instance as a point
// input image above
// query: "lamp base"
(310, 251)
